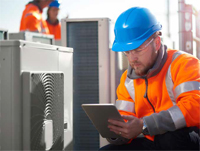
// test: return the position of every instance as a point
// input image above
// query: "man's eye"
(138, 50)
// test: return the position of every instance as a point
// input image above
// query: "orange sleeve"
(123, 95)
(186, 68)
(32, 23)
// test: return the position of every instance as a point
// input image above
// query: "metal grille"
(47, 96)
(83, 38)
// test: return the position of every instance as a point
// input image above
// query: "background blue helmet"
(55, 3)
(133, 27)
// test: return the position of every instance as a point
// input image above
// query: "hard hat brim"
(118, 47)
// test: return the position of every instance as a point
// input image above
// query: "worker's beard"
(141, 72)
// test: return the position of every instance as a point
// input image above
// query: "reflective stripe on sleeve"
(177, 117)
(130, 87)
(38, 16)
(28, 14)
(176, 54)
(125, 106)
(169, 83)
(168, 78)
(186, 87)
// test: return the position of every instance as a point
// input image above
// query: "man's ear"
(158, 42)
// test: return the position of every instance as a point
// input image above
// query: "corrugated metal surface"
(83, 38)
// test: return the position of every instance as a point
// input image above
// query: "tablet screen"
(99, 115)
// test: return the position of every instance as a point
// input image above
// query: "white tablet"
(99, 115)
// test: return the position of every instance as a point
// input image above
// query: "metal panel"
(66, 65)
(33, 56)
(32, 36)
(83, 37)
(91, 73)
(5, 100)
(10, 99)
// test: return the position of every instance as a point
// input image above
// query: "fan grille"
(47, 104)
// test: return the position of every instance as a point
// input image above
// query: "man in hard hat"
(159, 93)
(52, 19)
(32, 17)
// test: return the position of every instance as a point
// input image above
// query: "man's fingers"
(116, 129)
(117, 123)
(120, 133)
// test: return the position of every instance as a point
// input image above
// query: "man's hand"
(131, 129)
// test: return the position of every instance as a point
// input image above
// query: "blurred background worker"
(32, 17)
(52, 20)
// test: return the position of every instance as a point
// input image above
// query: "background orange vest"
(32, 19)
(54, 29)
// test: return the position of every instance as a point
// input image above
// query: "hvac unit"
(94, 74)
(35, 96)
(3, 34)
(58, 42)
(32, 36)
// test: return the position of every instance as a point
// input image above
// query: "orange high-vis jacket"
(54, 29)
(168, 97)
(32, 19)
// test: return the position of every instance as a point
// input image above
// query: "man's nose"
(133, 56)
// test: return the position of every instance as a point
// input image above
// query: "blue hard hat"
(55, 3)
(133, 27)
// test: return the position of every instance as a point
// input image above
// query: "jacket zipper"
(146, 96)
